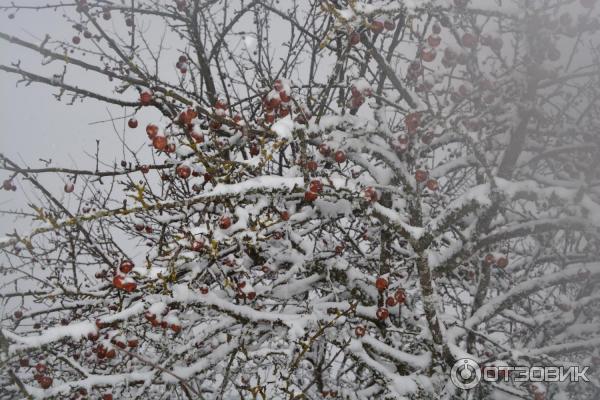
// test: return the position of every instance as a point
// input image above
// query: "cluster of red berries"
(182, 64)
(224, 222)
(141, 227)
(220, 110)
(339, 156)
(241, 293)
(103, 352)
(121, 279)
(276, 103)
(422, 176)
(399, 297)
(379, 24)
(489, 260)
(9, 185)
(156, 322)
(314, 188)
(358, 96)
(370, 194)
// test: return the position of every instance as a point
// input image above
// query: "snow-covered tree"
(335, 199)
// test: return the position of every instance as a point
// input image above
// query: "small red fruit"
(315, 186)
(428, 55)
(285, 215)
(370, 194)
(176, 328)
(354, 38)
(323, 149)
(18, 314)
(184, 171)
(340, 156)
(421, 175)
(144, 169)
(132, 123)
(41, 368)
(432, 185)
(151, 131)
(145, 98)
(412, 121)
(360, 331)
(197, 245)
(382, 313)
(224, 222)
(434, 40)
(381, 284)
(159, 142)
(204, 290)
(489, 259)
(69, 187)
(129, 287)
(312, 165)
(45, 382)
(390, 302)
(76, 40)
(400, 296)
(502, 262)
(118, 281)
(107, 396)
(469, 40)
(377, 26)
(251, 295)
(126, 266)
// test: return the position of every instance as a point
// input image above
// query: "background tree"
(337, 199)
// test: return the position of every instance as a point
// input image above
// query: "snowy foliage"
(336, 199)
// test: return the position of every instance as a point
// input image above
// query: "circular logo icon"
(465, 374)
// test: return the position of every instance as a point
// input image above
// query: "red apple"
(432, 185)
(146, 98)
(382, 313)
(434, 40)
(400, 296)
(340, 156)
(323, 149)
(151, 131)
(428, 55)
(45, 382)
(126, 266)
(224, 222)
(377, 26)
(184, 171)
(159, 142)
(315, 186)
(421, 175)
(502, 262)
(370, 194)
(381, 284)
